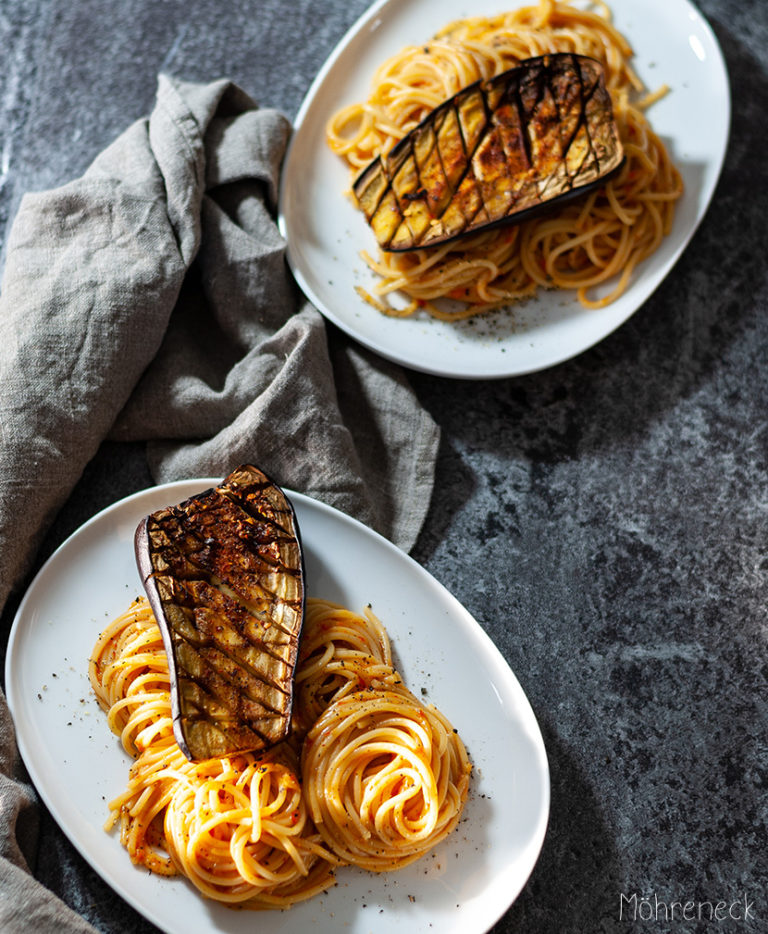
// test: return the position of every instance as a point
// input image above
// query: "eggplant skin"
(497, 152)
(224, 575)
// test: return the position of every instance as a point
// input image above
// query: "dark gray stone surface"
(606, 520)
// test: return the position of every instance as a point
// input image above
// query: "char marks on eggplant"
(494, 153)
(224, 575)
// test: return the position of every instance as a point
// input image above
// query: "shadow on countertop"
(575, 885)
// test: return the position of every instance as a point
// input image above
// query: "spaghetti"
(600, 237)
(237, 827)
(254, 830)
(341, 653)
(385, 778)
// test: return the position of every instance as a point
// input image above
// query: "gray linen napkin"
(150, 300)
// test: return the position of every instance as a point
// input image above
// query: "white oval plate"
(77, 765)
(673, 44)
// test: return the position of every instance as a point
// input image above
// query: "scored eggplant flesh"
(223, 572)
(494, 153)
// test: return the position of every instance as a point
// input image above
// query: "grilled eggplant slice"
(224, 575)
(494, 153)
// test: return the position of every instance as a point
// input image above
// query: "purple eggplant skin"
(224, 574)
(498, 152)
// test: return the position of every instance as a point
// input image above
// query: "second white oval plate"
(463, 886)
(673, 45)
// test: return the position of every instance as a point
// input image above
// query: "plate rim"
(16, 703)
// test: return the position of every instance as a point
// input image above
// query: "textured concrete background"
(606, 520)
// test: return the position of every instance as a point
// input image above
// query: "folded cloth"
(150, 300)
